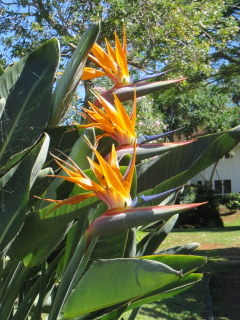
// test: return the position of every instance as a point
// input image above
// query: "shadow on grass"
(225, 253)
(223, 229)
(223, 267)
(201, 301)
(192, 304)
(225, 292)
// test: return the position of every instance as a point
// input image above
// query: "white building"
(225, 173)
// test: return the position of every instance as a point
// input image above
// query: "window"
(228, 155)
(199, 183)
(227, 188)
(223, 186)
(209, 184)
(218, 186)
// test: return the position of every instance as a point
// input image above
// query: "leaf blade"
(67, 84)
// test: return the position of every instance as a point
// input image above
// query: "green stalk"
(80, 228)
(26, 305)
(2, 261)
(13, 291)
(41, 295)
(11, 272)
(72, 274)
(134, 313)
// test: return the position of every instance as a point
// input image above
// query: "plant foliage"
(75, 254)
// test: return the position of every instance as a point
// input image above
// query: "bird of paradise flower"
(114, 188)
(111, 185)
(113, 62)
(114, 121)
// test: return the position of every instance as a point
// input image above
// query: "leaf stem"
(72, 274)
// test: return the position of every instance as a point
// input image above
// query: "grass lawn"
(222, 247)
(189, 305)
(218, 237)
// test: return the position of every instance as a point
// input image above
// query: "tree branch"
(45, 14)
(224, 55)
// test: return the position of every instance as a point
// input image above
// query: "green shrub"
(207, 215)
(70, 260)
(232, 201)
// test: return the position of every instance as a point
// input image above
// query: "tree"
(186, 37)
(196, 39)
(70, 258)
(201, 110)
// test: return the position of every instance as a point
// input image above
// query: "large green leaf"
(40, 185)
(37, 240)
(10, 75)
(1, 70)
(184, 249)
(2, 105)
(67, 84)
(186, 264)
(168, 291)
(27, 89)
(109, 282)
(182, 163)
(63, 138)
(73, 273)
(14, 191)
(146, 151)
(12, 291)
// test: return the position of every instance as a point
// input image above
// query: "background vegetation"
(195, 39)
(53, 254)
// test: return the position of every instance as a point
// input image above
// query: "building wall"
(227, 173)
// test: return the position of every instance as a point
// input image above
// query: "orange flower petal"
(102, 57)
(121, 59)
(128, 175)
(91, 73)
(113, 62)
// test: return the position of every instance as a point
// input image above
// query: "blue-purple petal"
(147, 138)
(136, 201)
(159, 195)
